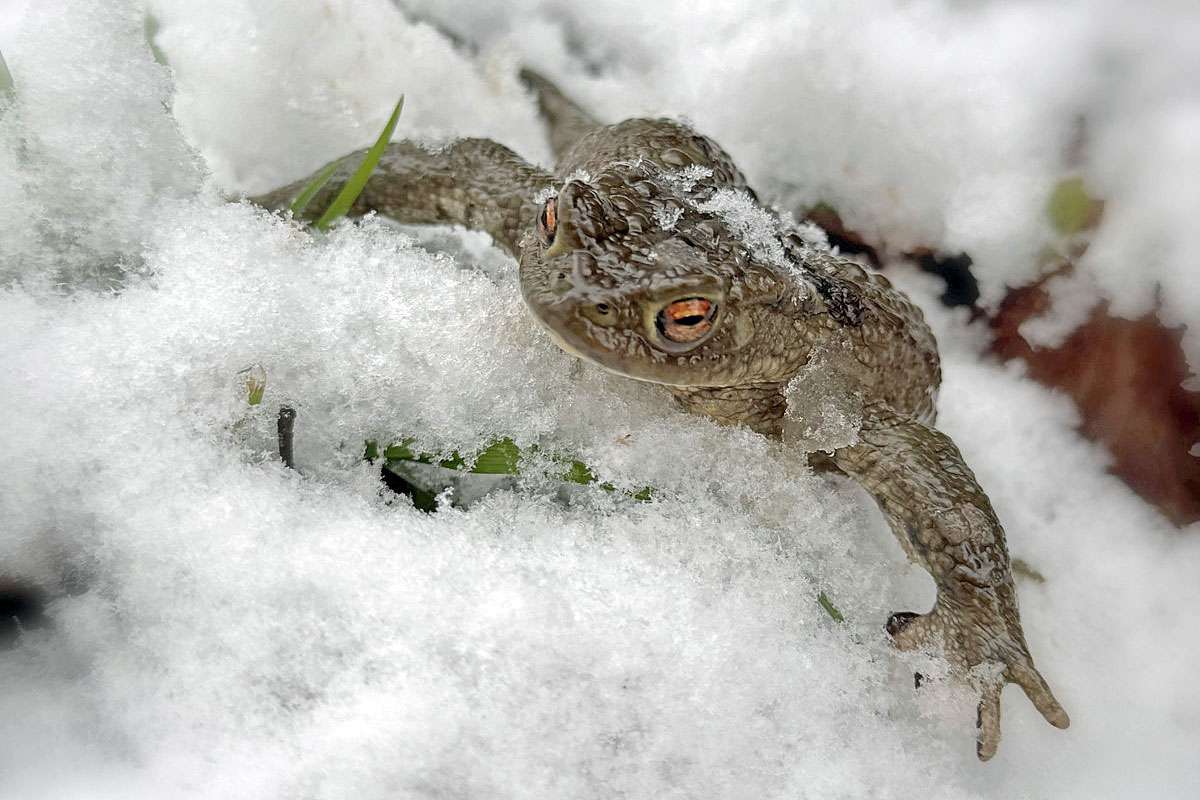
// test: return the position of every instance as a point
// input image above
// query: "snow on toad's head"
(662, 275)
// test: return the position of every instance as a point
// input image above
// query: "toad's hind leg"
(475, 183)
(566, 121)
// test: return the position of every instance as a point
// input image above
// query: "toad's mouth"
(557, 320)
(629, 353)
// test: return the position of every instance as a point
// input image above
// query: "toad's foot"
(977, 637)
(945, 523)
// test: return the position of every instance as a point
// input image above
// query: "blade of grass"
(353, 188)
(310, 191)
(830, 609)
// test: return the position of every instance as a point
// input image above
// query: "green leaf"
(400, 452)
(580, 473)
(453, 461)
(499, 459)
(353, 188)
(834, 614)
(310, 190)
(422, 499)
(1070, 207)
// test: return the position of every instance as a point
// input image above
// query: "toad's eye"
(687, 320)
(547, 222)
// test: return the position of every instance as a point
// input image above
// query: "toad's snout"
(561, 283)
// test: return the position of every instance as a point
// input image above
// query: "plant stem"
(285, 425)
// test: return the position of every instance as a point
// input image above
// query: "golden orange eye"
(547, 222)
(687, 320)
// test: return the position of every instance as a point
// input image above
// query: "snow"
(756, 228)
(227, 628)
(1072, 299)
(930, 123)
(299, 93)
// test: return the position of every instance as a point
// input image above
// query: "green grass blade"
(353, 188)
(830, 609)
(310, 191)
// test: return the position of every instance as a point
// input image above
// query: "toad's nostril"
(687, 320)
(561, 283)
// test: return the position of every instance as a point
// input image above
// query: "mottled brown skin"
(633, 230)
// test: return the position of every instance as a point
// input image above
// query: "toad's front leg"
(946, 523)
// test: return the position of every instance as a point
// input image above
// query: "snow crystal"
(581, 175)
(224, 627)
(755, 226)
(666, 217)
(685, 180)
(812, 235)
(822, 410)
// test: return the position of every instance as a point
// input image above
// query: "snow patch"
(223, 627)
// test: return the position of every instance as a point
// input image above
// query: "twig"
(285, 426)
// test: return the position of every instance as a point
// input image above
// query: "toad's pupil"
(687, 320)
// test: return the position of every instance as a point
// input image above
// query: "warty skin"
(628, 260)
